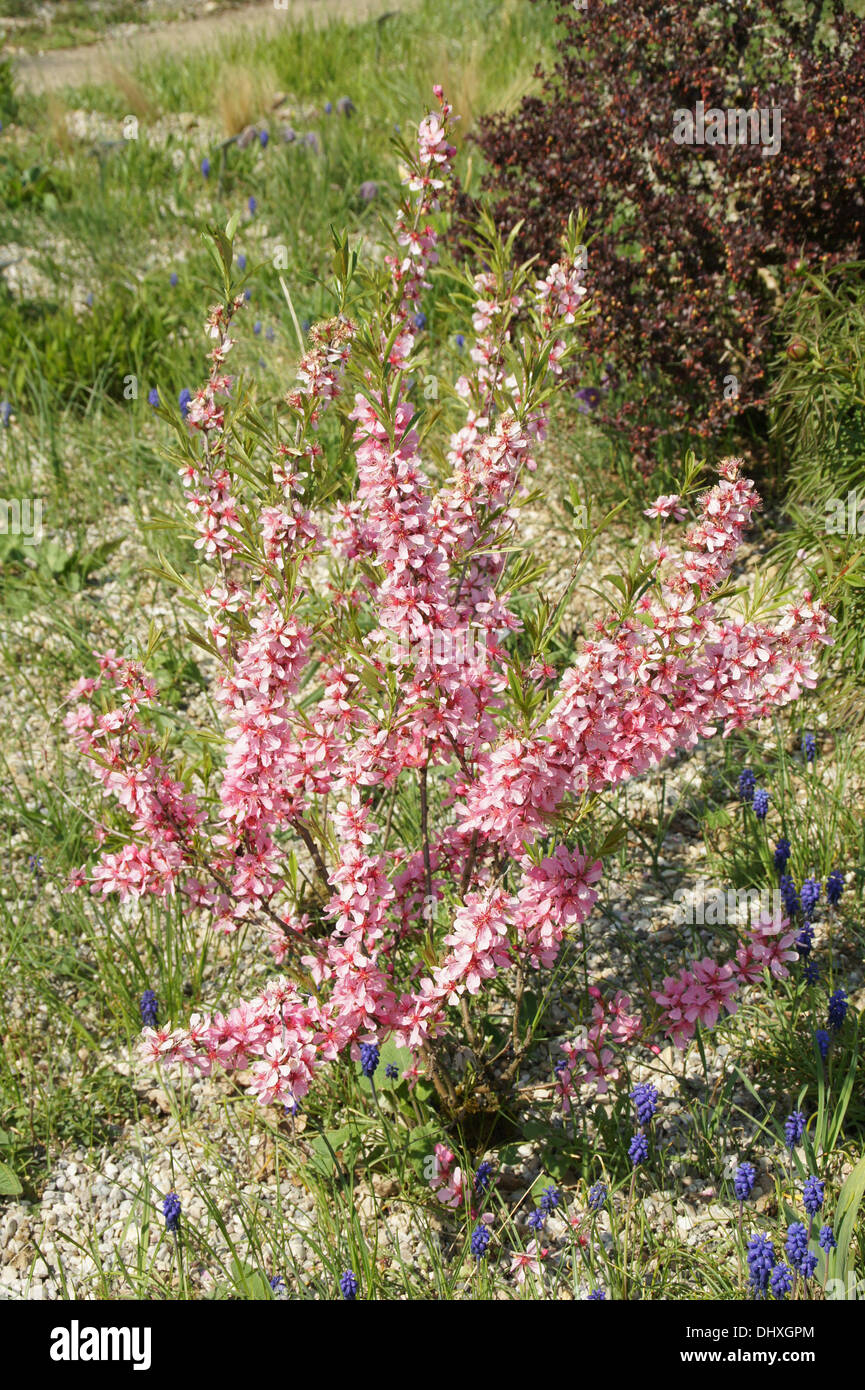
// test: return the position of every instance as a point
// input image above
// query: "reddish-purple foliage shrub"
(693, 243)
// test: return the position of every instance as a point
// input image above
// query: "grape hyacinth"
(536, 1219)
(597, 1196)
(596, 1296)
(550, 1199)
(761, 1258)
(480, 1240)
(811, 973)
(369, 1059)
(837, 1009)
(789, 894)
(760, 804)
(812, 1195)
(348, 1286)
(391, 1072)
(805, 940)
(810, 895)
(171, 1212)
(796, 1244)
(794, 1128)
(782, 854)
(747, 783)
(743, 1182)
(827, 1239)
(645, 1098)
(822, 1039)
(834, 887)
(638, 1150)
(781, 1281)
(483, 1176)
(149, 1009)
(809, 747)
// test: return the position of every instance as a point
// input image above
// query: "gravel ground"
(201, 25)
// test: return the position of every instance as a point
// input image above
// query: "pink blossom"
(528, 1261)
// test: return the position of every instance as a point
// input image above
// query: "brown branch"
(315, 853)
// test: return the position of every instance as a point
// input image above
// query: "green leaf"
(421, 1146)
(846, 1211)
(9, 1184)
(612, 841)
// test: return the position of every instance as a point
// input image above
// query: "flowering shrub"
(401, 805)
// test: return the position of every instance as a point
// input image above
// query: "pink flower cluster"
(592, 1059)
(699, 994)
(448, 1181)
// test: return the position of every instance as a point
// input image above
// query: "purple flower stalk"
(483, 1176)
(743, 1182)
(794, 1128)
(796, 1244)
(760, 804)
(812, 1195)
(787, 889)
(781, 1281)
(827, 1239)
(837, 1009)
(369, 1059)
(761, 1259)
(597, 1196)
(480, 1241)
(638, 1150)
(645, 1098)
(810, 896)
(834, 887)
(171, 1212)
(149, 1009)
